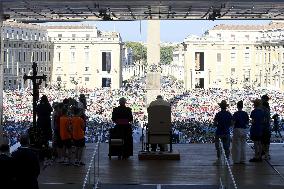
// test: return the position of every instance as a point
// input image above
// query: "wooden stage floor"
(197, 166)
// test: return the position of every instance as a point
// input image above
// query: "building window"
(199, 61)
(73, 36)
(87, 79)
(72, 57)
(19, 57)
(106, 61)
(106, 82)
(233, 57)
(247, 58)
(45, 56)
(219, 58)
(59, 56)
(41, 58)
(87, 36)
(219, 36)
(24, 56)
(59, 36)
(37, 56)
(86, 57)
(5, 54)
(247, 37)
(233, 37)
(86, 69)
(49, 56)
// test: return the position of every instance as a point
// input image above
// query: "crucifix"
(36, 81)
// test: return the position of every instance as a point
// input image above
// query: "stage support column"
(1, 73)
(153, 77)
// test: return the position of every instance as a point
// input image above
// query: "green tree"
(139, 51)
(167, 55)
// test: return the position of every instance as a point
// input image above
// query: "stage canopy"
(38, 11)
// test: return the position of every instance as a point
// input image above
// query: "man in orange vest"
(78, 136)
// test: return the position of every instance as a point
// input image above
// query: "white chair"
(159, 125)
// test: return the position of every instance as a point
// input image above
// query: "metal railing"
(92, 178)
(227, 179)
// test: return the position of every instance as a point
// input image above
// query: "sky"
(171, 30)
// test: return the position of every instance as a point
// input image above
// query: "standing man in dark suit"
(26, 164)
(6, 164)
(122, 117)
(44, 110)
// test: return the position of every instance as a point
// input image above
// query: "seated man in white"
(159, 121)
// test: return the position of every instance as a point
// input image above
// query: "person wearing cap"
(256, 130)
(240, 120)
(265, 140)
(223, 121)
(122, 117)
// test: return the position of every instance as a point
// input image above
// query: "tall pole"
(1, 73)
(266, 78)
(260, 78)
(191, 79)
(34, 95)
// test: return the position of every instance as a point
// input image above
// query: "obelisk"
(153, 77)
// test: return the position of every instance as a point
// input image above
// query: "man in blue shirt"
(241, 120)
(256, 131)
(223, 121)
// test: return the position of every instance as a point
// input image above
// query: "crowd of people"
(192, 111)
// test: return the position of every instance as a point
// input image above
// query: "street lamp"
(75, 82)
(260, 76)
(191, 78)
(266, 77)
(209, 77)
(232, 81)
(59, 88)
